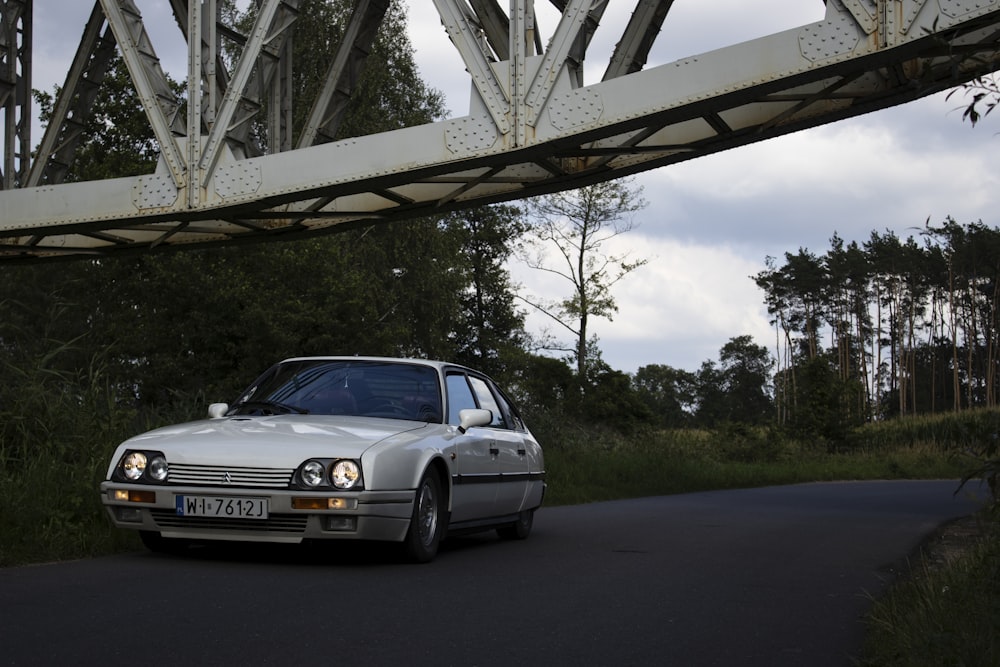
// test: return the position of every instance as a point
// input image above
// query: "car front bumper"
(364, 515)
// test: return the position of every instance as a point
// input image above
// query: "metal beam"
(158, 99)
(633, 48)
(74, 107)
(533, 125)
(345, 70)
(15, 90)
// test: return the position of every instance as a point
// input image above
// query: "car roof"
(402, 360)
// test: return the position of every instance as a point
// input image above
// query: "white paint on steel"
(531, 127)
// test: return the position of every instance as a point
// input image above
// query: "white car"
(370, 448)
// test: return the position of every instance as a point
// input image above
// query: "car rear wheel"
(428, 522)
(520, 529)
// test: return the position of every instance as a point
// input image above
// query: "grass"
(54, 513)
(588, 465)
(942, 615)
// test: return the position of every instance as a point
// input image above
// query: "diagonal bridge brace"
(533, 126)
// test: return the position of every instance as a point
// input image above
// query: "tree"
(611, 399)
(389, 96)
(119, 141)
(494, 335)
(577, 225)
(668, 393)
(746, 379)
(203, 321)
(983, 95)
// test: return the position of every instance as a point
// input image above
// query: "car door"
(507, 450)
(475, 472)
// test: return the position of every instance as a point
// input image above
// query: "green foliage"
(972, 437)
(941, 615)
(824, 405)
(390, 94)
(57, 430)
(589, 462)
(736, 390)
(120, 140)
(913, 325)
(668, 393)
(544, 385)
(575, 227)
(742, 442)
(493, 339)
(983, 94)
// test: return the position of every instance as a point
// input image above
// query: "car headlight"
(157, 468)
(133, 465)
(345, 474)
(312, 473)
(142, 466)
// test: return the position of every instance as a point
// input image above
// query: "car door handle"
(494, 451)
(522, 452)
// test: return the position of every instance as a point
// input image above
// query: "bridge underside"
(535, 126)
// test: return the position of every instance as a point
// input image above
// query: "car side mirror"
(217, 410)
(473, 417)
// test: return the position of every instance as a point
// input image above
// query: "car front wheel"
(428, 522)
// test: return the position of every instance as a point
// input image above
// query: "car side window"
(459, 396)
(488, 402)
(509, 411)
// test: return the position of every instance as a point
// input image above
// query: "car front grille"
(201, 475)
(277, 523)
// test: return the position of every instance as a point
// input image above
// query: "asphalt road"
(761, 577)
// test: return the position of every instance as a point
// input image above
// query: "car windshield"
(394, 390)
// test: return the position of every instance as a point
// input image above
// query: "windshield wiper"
(271, 407)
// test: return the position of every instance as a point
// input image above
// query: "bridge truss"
(534, 124)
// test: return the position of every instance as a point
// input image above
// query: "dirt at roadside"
(943, 547)
(951, 541)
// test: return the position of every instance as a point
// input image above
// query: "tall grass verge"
(58, 429)
(590, 464)
(942, 615)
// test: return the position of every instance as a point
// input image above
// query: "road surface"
(759, 577)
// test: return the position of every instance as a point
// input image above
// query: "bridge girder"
(534, 126)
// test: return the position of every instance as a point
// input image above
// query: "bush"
(58, 430)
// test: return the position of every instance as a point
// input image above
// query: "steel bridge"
(534, 124)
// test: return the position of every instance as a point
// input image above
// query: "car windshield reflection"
(348, 388)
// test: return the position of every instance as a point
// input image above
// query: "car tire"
(156, 543)
(520, 529)
(428, 522)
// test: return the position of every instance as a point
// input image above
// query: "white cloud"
(852, 177)
(679, 309)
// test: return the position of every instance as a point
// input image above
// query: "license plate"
(222, 506)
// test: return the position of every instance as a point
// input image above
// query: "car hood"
(281, 441)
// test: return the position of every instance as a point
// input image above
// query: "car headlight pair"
(143, 466)
(340, 474)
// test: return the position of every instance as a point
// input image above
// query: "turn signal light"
(323, 503)
(308, 503)
(134, 496)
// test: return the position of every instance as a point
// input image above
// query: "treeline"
(886, 327)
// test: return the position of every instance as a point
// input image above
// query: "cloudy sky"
(711, 222)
